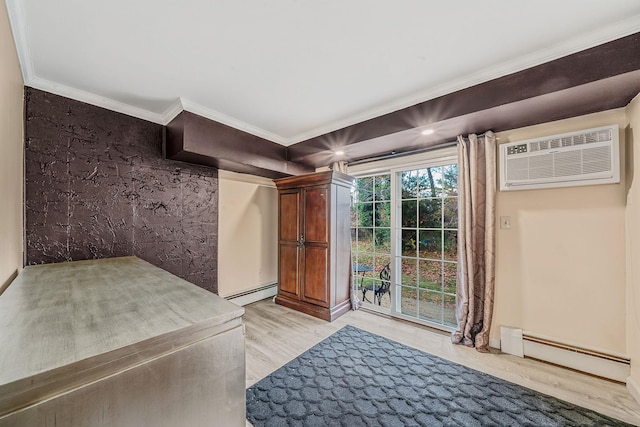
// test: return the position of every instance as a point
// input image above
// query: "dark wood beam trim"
(601, 62)
(601, 95)
(195, 139)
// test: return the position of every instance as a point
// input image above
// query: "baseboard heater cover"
(596, 362)
(254, 294)
(599, 362)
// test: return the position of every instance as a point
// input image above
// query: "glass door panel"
(371, 240)
(404, 229)
(425, 235)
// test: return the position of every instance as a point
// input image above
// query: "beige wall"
(561, 267)
(11, 160)
(247, 232)
(633, 238)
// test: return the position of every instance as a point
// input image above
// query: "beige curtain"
(476, 240)
(340, 166)
(356, 303)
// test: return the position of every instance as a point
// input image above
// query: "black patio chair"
(379, 289)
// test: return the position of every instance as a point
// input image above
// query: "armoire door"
(314, 269)
(289, 242)
(315, 266)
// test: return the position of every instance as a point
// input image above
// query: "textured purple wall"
(97, 187)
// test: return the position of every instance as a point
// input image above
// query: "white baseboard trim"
(595, 361)
(252, 295)
(634, 388)
(600, 365)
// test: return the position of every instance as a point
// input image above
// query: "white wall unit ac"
(587, 157)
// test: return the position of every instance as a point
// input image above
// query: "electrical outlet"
(505, 223)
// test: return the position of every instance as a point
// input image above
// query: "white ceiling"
(289, 70)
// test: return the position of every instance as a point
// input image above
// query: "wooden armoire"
(314, 243)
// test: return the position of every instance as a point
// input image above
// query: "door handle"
(301, 241)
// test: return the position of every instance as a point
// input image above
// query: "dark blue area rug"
(355, 378)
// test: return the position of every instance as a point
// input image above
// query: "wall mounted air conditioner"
(587, 157)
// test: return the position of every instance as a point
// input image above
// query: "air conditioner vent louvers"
(569, 141)
(579, 158)
(596, 160)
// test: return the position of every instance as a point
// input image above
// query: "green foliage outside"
(429, 208)
(430, 277)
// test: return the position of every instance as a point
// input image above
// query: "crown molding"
(609, 33)
(217, 116)
(16, 12)
(171, 112)
(15, 9)
(93, 99)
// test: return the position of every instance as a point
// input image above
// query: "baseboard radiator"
(258, 293)
(593, 361)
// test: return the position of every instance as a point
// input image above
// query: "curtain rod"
(394, 154)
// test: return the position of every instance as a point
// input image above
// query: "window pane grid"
(371, 223)
(427, 234)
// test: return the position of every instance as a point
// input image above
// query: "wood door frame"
(290, 243)
(324, 245)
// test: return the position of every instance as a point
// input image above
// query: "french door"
(407, 218)
(371, 239)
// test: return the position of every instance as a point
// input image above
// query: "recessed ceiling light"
(427, 131)
(338, 153)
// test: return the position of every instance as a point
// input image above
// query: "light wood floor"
(275, 335)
